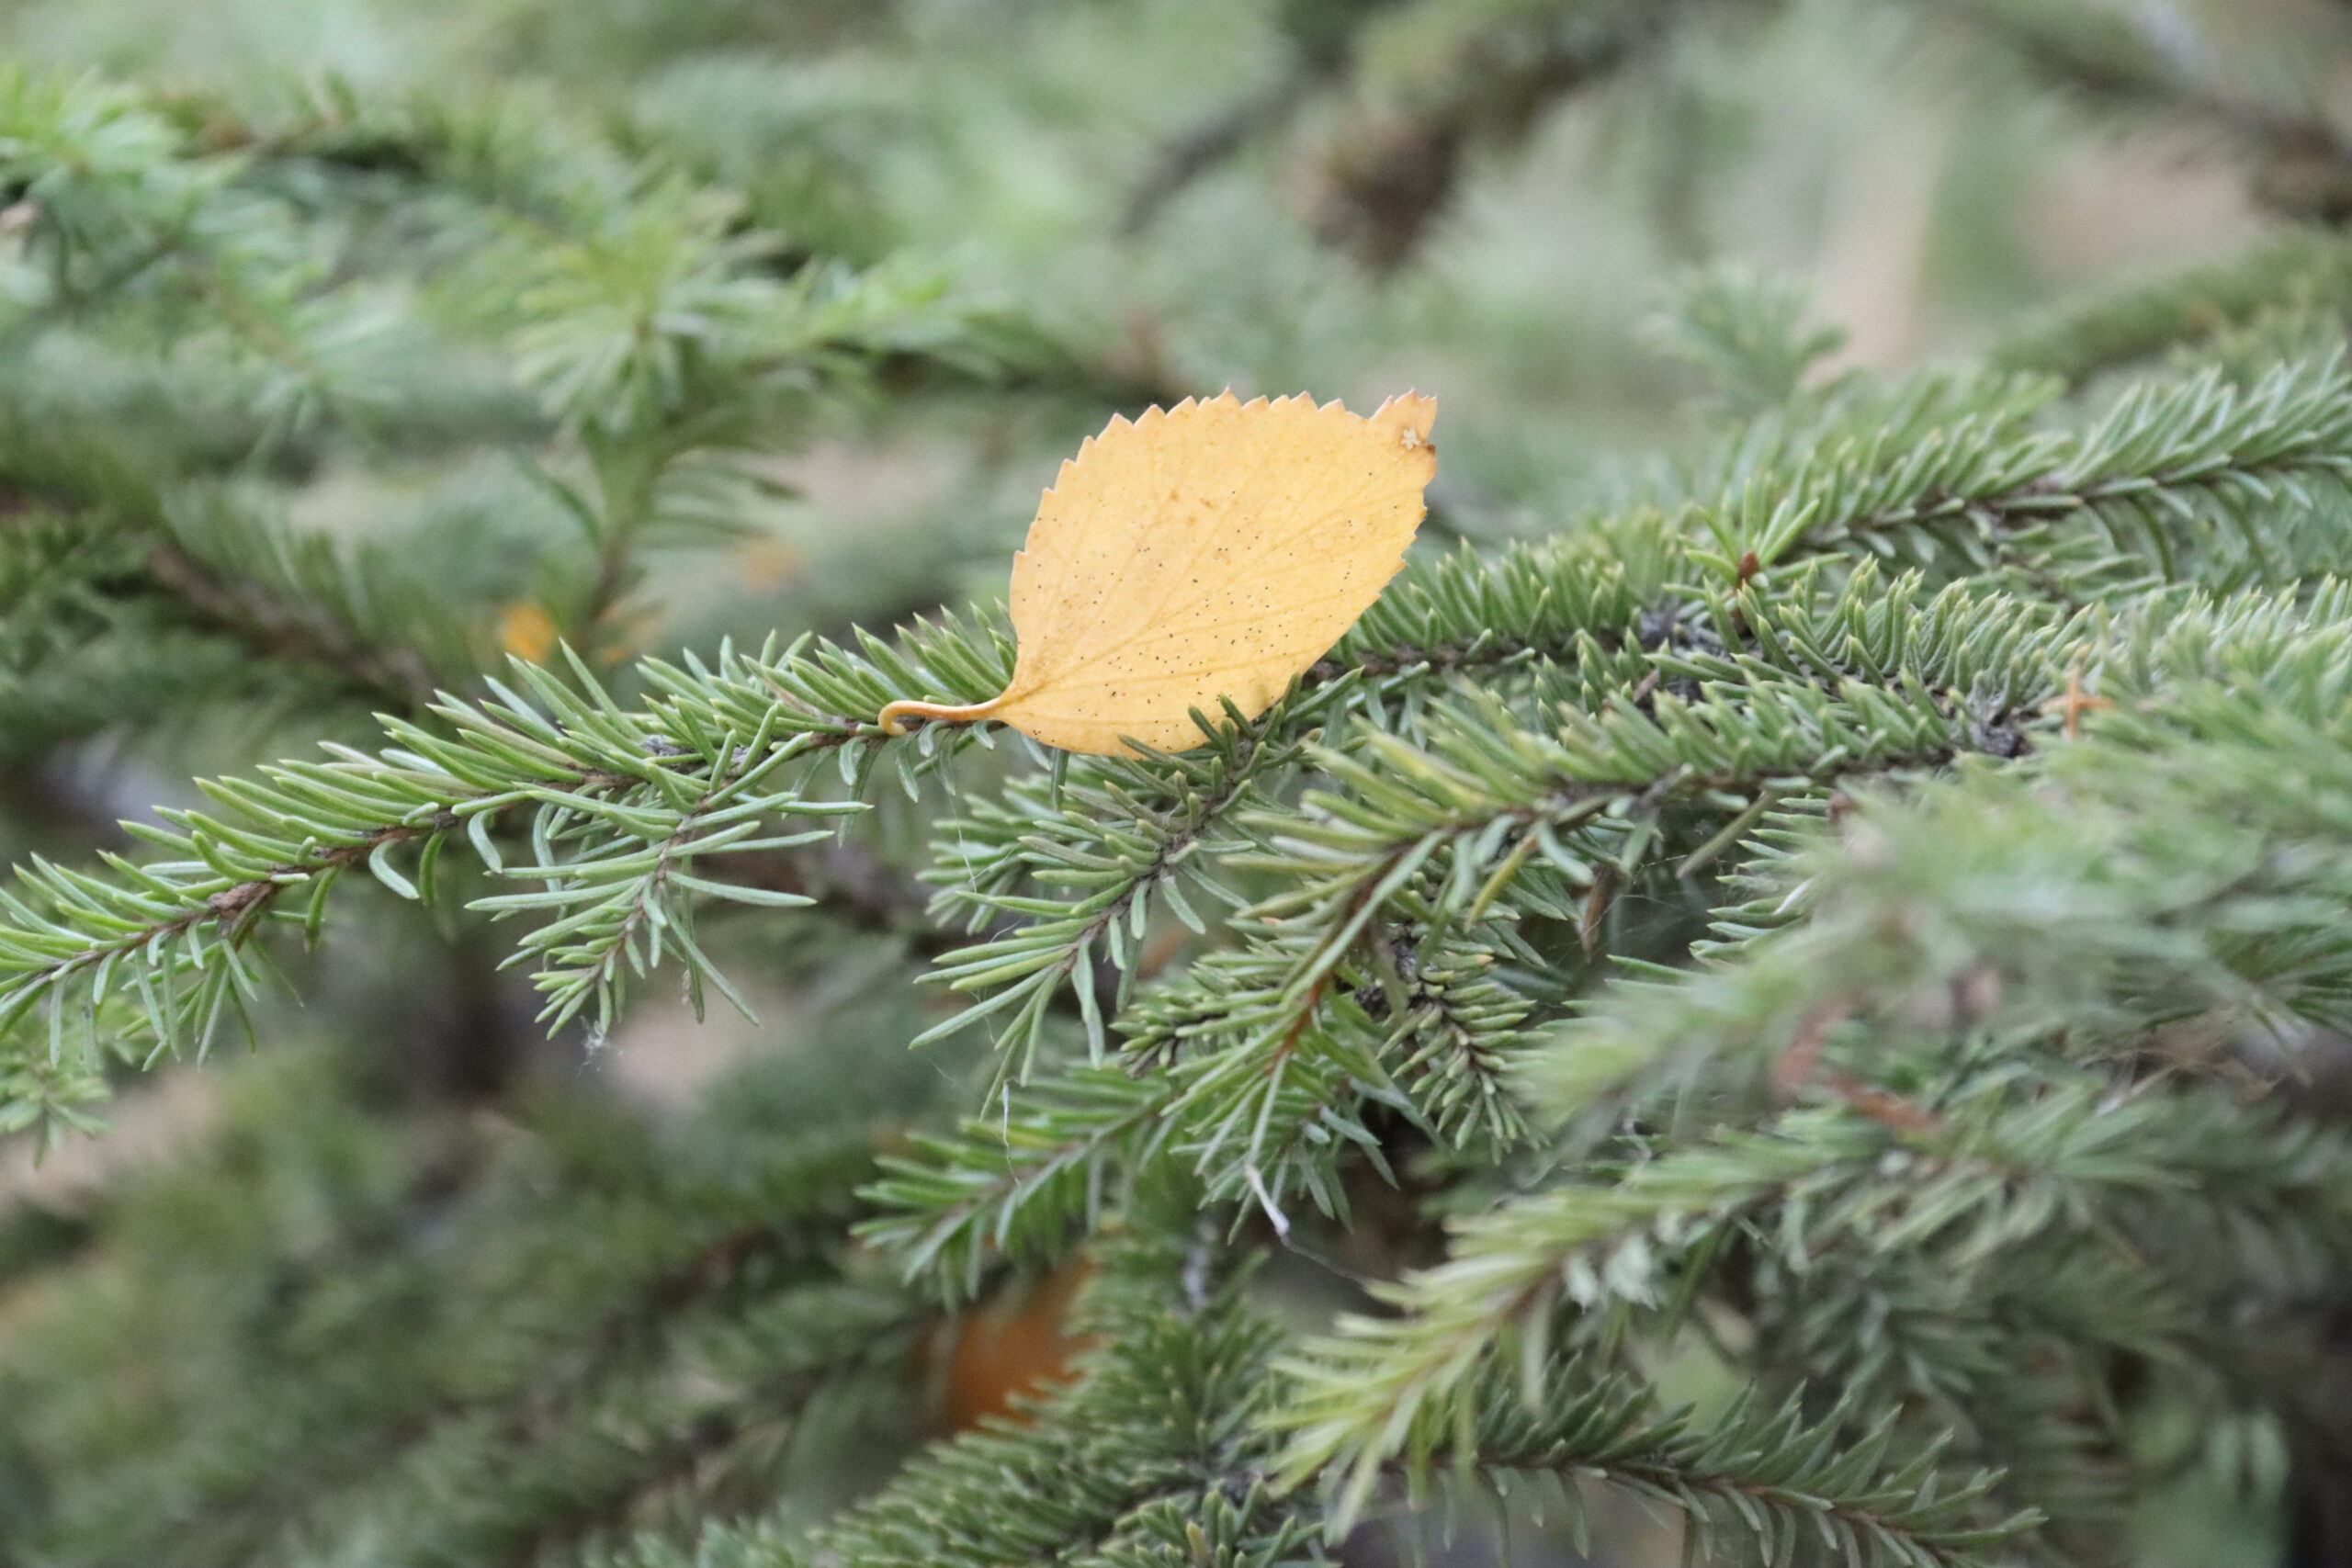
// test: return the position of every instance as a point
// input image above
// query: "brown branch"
(1219, 138)
(2303, 160)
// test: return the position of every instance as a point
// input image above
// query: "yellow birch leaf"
(1215, 549)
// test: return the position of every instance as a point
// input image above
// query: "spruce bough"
(1811, 932)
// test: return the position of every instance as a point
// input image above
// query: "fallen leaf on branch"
(1213, 550)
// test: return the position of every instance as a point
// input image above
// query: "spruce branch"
(247, 573)
(578, 1426)
(1457, 1030)
(134, 562)
(1015, 1185)
(1967, 1181)
(395, 675)
(604, 785)
(570, 1471)
(2136, 64)
(498, 1332)
(1159, 1422)
(621, 804)
(1118, 832)
(1444, 625)
(1261, 1096)
(2199, 482)
(1489, 796)
(1125, 831)
(1771, 1478)
(1454, 78)
(2297, 271)
(1272, 1093)
(1024, 1180)
(1746, 334)
(1380, 1388)
(644, 301)
(2174, 879)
